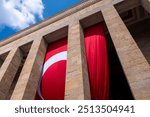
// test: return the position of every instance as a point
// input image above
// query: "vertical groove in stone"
(135, 66)
(28, 80)
(1, 62)
(77, 81)
(3, 57)
(24, 50)
(8, 71)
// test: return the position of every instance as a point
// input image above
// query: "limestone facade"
(22, 55)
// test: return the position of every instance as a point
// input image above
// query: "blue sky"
(16, 15)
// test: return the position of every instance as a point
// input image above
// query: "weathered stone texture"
(8, 71)
(136, 68)
(77, 82)
(28, 80)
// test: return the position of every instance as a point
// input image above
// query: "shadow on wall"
(119, 87)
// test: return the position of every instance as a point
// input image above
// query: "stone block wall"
(137, 71)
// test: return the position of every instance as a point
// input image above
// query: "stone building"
(127, 28)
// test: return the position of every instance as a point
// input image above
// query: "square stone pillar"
(8, 71)
(26, 86)
(77, 80)
(135, 66)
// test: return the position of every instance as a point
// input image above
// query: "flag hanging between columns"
(96, 53)
(52, 85)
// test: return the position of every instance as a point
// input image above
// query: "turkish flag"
(97, 59)
(52, 86)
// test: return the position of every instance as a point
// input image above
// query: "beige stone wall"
(27, 84)
(136, 70)
(135, 66)
(8, 71)
(77, 81)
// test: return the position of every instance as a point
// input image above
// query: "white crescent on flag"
(52, 80)
(55, 58)
(52, 60)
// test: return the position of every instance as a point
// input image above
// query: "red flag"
(52, 85)
(96, 53)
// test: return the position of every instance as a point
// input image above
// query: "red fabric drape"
(54, 71)
(96, 53)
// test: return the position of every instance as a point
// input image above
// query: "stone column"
(77, 81)
(28, 80)
(8, 71)
(135, 66)
(146, 5)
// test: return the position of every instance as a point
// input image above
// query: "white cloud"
(19, 14)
